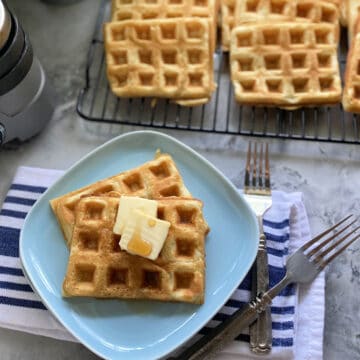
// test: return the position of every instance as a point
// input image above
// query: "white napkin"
(298, 315)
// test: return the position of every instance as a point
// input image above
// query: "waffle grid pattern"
(287, 65)
(98, 267)
(161, 58)
(162, 9)
(238, 12)
(154, 179)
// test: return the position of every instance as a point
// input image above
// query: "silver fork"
(257, 192)
(301, 267)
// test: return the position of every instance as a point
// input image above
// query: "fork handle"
(261, 330)
(213, 342)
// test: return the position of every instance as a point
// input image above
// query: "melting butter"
(126, 205)
(144, 235)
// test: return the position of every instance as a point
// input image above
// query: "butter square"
(126, 205)
(144, 235)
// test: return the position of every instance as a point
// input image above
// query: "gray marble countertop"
(327, 174)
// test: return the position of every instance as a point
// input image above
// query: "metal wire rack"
(221, 115)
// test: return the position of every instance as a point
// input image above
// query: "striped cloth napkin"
(297, 313)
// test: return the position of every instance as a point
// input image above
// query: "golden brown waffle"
(351, 95)
(166, 9)
(162, 9)
(154, 179)
(227, 22)
(353, 10)
(344, 12)
(170, 58)
(288, 65)
(98, 268)
(238, 12)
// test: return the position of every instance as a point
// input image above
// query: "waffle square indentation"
(247, 85)
(120, 57)
(151, 279)
(195, 79)
(328, 15)
(194, 31)
(277, 7)
(172, 190)
(245, 64)
(322, 36)
(186, 215)
(251, 5)
(300, 85)
(194, 56)
(145, 56)
(183, 280)
(94, 210)
(161, 213)
(85, 273)
(168, 31)
(169, 56)
(357, 92)
(271, 37)
(244, 39)
(123, 15)
(143, 32)
(117, 276)
(161, 171)
(185, 247)
(202, 3)
(120, 79)
(274, 85)
(324, 60)
(298, 61)
(326, 83)
(115, 247)
(297, 36)
(171, 79)
(133, 182)
(104, 189)
(272, 62)
(118, 34)
(89, 240)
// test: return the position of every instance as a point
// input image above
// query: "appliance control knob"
(2, 134)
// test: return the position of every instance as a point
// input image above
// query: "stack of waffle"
(283, 53)
(97, 266)
(162, 49)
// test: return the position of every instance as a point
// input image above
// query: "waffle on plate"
(154, 179)
(98, 268)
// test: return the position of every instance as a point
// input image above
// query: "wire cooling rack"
(222, 114)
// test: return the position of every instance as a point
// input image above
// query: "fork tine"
(333, 256)
(247, 169)
(267, 168)
(316, 238)
(323, 243)
(321, 255)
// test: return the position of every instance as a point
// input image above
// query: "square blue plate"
(117, 329)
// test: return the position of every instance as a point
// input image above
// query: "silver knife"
(261, 330)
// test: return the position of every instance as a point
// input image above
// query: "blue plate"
(118, 329)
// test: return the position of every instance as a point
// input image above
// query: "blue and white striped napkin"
(297, 313)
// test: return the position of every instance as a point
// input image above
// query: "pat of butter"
(144, 235)
(126, 205)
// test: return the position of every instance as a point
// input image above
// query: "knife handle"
(213, 342)
(261, 330)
